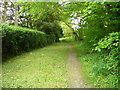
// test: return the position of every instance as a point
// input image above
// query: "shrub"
(51, 38)
(111, 44)
(53, 29)
(17, 39)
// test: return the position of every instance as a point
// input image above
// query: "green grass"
(67, 39)
(41, 68)
(93, 66)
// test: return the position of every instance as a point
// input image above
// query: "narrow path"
(44, 68)
(73, 66)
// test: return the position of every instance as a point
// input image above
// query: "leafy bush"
(104, 64)
(108, 66)
(100, 69)
(109, 42)
(18, 39)
(51, 38)
(98, 20)
(53, 29)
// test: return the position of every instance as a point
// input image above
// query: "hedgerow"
(17, 39)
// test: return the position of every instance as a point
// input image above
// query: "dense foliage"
(18, 39)
(53, 29)
(96, 24)
(43, 16)
(99, 29)
(111, 45)
(100, 19)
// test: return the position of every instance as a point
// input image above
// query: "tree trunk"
(75, 33)
(4, 12)
(16, 15)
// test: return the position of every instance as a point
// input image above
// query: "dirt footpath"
(73, 66)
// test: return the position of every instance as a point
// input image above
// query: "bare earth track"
(73, 66)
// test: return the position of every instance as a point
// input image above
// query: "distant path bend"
(73, 66)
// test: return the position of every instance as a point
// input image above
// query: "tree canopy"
(95, 24)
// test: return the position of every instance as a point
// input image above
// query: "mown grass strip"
(41, 68)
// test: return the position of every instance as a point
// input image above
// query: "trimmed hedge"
(17, 39)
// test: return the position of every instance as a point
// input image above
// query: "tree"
(43, 16)
(97, 19)
(16, 14)
(4, 16)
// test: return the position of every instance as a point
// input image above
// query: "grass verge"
(94, 67)
(41, 68)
